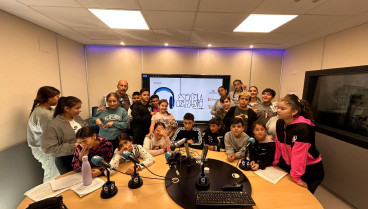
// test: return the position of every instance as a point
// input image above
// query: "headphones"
(171, 100)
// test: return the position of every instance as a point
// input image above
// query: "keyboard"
(224, 199)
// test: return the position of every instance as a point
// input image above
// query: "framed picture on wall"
(339, 102)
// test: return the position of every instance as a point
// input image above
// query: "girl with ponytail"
(59, 137)
(296, 151)
(41, 113)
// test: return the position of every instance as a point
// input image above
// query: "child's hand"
(231, 158)
(163, 132)
(82, 152)
(255, 110)
(101, 108)
(302, 184)
(190, 141)
(99, 123)
(254, 166)
(165, 147)
(239, 116)
(109, 124)
(149, 135)
(131, 170)
(95, 172)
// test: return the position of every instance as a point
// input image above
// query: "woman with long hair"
(41, 114)
(59, 138)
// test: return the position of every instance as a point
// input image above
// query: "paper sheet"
(84, 190)
(43, 191)
(67, 181)
(271, 174)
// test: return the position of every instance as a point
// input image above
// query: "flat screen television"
(339, 102)
(187, 93)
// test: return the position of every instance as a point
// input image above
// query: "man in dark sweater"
(192, 134)
(141, 117)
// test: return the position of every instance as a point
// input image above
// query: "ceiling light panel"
(262, 23)
(121, 19)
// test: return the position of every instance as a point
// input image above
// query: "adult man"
(125, 100)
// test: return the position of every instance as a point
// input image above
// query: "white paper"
(43, 191)
(84, 190)
(271, 174)
(67, 181)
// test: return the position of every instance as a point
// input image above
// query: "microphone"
(129, 156)
(177, 144)
(245, 163)
(250, 141)
(171, 159)
(108, 188)
(203, 182)
(204, 153)
(99, 161)
(136, 180)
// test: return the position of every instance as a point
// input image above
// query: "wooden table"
(152, 194)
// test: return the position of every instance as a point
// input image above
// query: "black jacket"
(141, 121)
(252, 116)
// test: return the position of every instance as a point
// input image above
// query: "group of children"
(67, 138)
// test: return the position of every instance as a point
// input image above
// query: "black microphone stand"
(108, 189)
(136, 180)
(203, 182)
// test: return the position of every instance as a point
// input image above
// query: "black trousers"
(64, 164)
(313, 175)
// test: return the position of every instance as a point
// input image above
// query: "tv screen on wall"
(339, 102)
(195, 94)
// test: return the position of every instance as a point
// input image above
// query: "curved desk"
(284, 194)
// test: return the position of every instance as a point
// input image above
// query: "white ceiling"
(193, 22)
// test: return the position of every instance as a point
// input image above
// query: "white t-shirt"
(76, 126)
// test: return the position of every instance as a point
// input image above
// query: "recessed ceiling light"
(166, 44)
(209, 45)
(122, 43)
(263, 23)
(121, 19)
(251, 46)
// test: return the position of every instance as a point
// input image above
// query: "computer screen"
(187, 93)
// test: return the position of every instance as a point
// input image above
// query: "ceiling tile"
(218, 21)
(169, 5)
(111, 4)
(172, 35)
(341, 7)
(72, 17)
(58, 3)
(224, 37)
(98, 34)
(275, 38)
(163, 20)
(243, 6)
(308, 23)
(138, 35)
(286, 6)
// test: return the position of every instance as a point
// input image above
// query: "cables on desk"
(140, 176)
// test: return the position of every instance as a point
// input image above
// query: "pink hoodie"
(297, 155)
